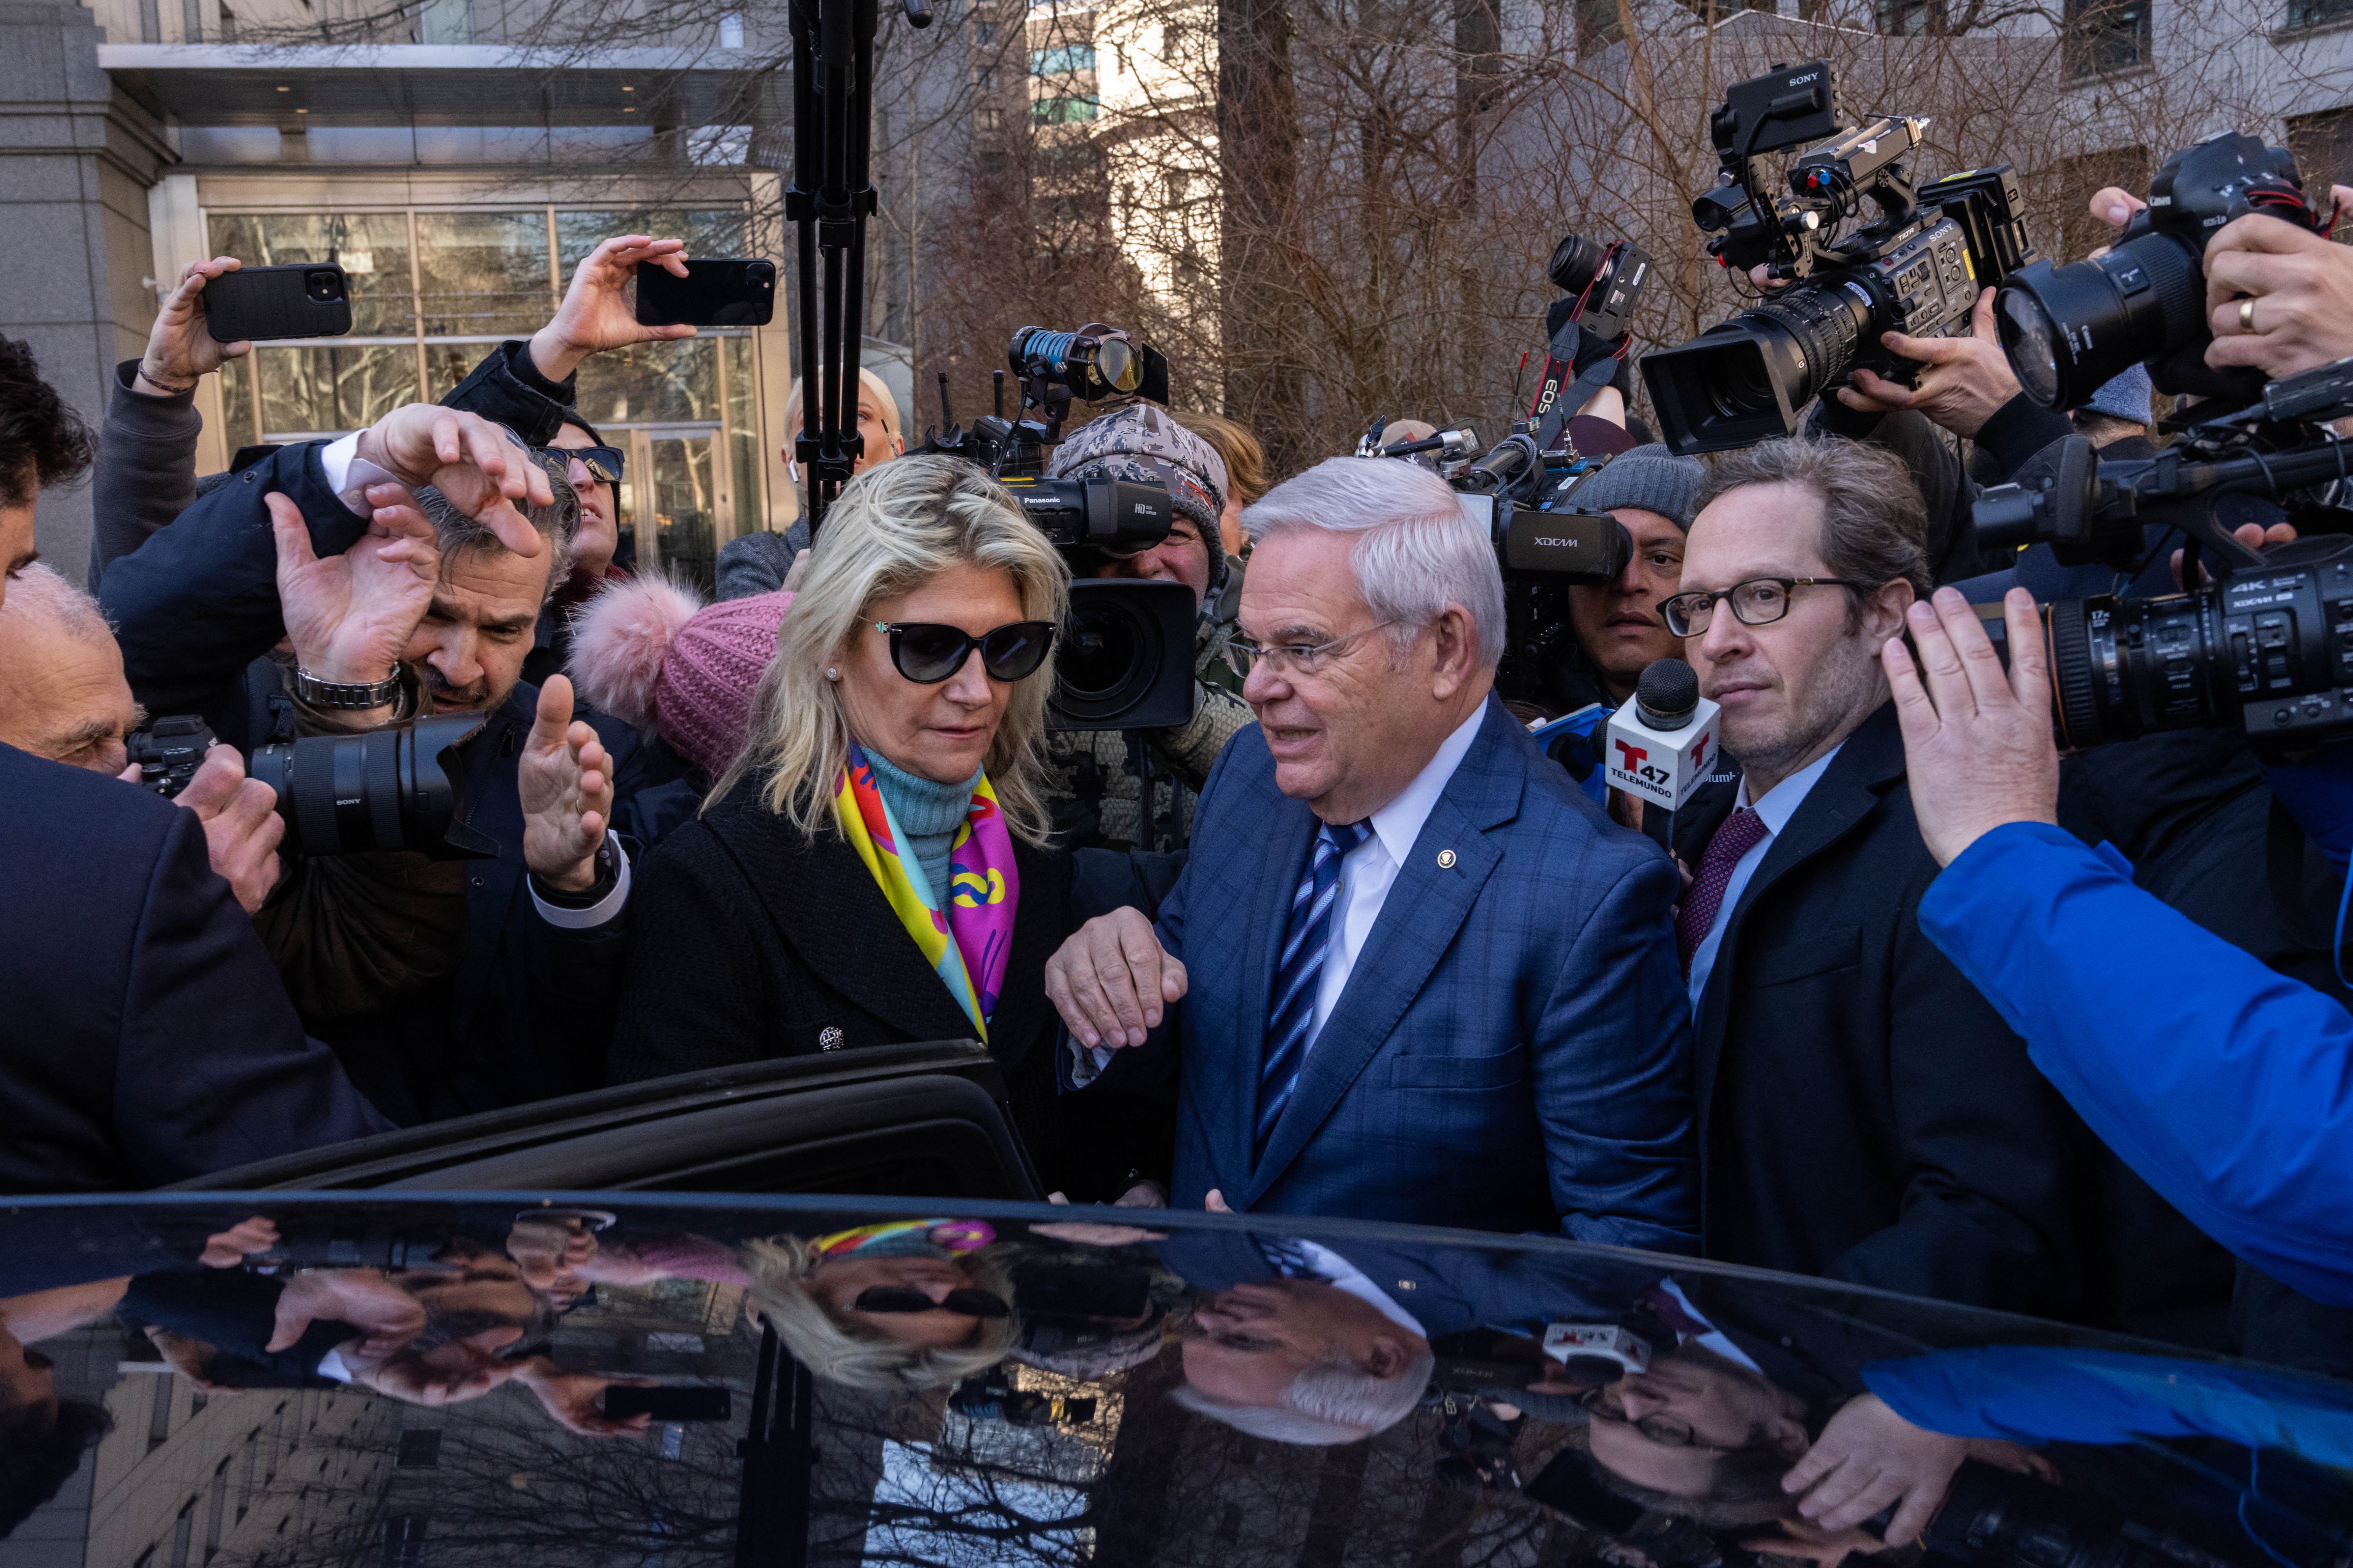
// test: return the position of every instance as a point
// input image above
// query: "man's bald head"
(62, 691)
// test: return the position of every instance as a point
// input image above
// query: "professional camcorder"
(400, 788)
(1547, 543)
(1916, 268)
(2068, 330)
(1124, 659)
(2268, 644)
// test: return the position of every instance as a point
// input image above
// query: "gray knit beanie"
(1649, 477)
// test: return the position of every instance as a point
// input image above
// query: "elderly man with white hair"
(1409, 972)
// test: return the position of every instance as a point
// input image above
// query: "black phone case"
(675, 1401)
(716, 292)
(253, 304)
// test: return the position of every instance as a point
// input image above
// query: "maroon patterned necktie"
(1737, 835)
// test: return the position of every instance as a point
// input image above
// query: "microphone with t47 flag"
(1662, 744)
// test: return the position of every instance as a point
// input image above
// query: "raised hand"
(180, 346)
(566, 779)
(570, 1398)
(386, 1316)
(239, 1242)
(350, 615)
(595, 314)
(1111, 979)
(242, 827)
(1964, 380)
(482, 468)
(1976, 738)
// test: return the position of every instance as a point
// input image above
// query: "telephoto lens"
(2070, 330)
(395, 789)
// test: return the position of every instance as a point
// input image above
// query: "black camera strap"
(1576, 394)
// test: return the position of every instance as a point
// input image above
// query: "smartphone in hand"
(715, 292)
(253, 305)
(675, 1401)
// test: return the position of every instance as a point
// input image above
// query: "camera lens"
(1116, 365)
(386, 790)
(2069, 330)
(1729, 386)
(2028, 338)
(1575, 261)
(323, 286)
(1107, 656)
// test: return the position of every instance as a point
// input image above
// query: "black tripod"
(829, 201)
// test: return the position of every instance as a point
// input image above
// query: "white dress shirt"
(1778, 805)
(1366, 877)
(1368, 874)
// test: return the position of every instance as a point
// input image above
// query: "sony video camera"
(1123, 660)
(2067, 329)
(1547, 543)
(400, 788)
(2267, 644)
(1915, 267)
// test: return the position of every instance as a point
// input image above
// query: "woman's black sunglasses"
(602, 463)
(928, 653)
(899, 1299)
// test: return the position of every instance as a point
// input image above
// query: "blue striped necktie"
(1290, 1020)
(1286, 1258)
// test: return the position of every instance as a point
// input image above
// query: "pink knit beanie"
(647, 651)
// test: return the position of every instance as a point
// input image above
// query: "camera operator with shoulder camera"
(449, 981)
(146, 1039)
(1095, 792)
(1618, 626)
(2221, 1082)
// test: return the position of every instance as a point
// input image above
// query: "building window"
(985, 78)
(1062, 111)
(1903, 18)
(432, 292)
(150, 22)
(1059, 61)
(1597, 24)
(248, 1476)
(983, 34)
(988, 117)
(445, 21)
(2316, 12)
(183, 1534)
(2105, 36)
(1171, 35)
(217, 1510)
(404, 1542)
(228, 26)
(420, 1451)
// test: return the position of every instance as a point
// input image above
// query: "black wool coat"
(1863, 1112)
(753, 940)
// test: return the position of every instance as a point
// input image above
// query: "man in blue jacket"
(2224, 1085)
(1423, 978)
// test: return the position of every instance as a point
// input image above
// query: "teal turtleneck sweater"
(927, 813)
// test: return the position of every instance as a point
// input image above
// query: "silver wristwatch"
(340, 694)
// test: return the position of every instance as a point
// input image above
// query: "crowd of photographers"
(1894, 995)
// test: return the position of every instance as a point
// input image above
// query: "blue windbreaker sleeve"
(2227, 1088)
(2051, 1393)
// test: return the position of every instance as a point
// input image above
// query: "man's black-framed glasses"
(602, 463)
(903, 1299)
(1759, 601)
(927, 653)
(1667, 1431)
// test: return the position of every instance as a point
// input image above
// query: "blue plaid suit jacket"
(1512, 1051)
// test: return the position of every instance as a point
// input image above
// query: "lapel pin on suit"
(1446, 859)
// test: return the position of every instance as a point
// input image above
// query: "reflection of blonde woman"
(905, 1304)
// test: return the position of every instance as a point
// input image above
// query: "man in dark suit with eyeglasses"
(1864, 1113)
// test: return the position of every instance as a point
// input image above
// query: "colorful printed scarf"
(909, 1238)
(968, 945)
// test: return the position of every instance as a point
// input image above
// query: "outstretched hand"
(1869, 1459)
(1977, 738)
(1963, 383)
(482, 469)
(595, 314)
(566, 779)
